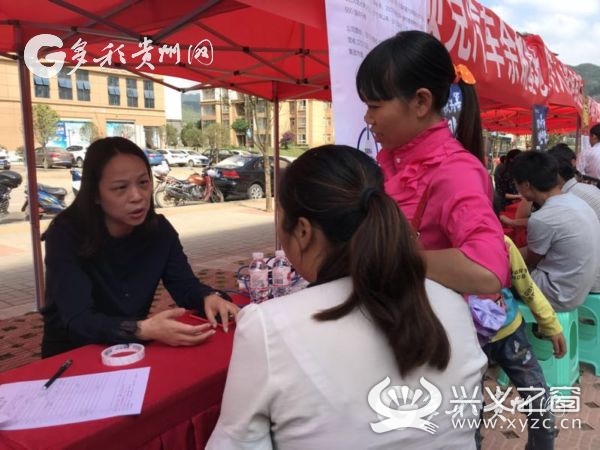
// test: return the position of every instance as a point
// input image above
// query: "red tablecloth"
(180, 409)
(517, 234)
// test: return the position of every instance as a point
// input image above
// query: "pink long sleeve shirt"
(458, 213)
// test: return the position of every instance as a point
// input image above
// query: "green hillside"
(591, 76)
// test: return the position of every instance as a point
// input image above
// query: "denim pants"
(515, 356)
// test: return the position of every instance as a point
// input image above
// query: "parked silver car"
(53, 156)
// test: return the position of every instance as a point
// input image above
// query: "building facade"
(117, 102)
(310, 121)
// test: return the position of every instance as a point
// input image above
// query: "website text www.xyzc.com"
(519, 424)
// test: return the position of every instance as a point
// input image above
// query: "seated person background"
(106, 254)
(588, 162)
(563, 236)
(568, 183)
(565, 157)
(304, 365)
(504, 185)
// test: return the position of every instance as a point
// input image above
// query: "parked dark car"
(215, 155)
(48, 157)
(155, 158)
(244, 176)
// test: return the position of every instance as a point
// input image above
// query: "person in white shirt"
(588, 162)
(371, 354)
(567, 181)
(563, 236)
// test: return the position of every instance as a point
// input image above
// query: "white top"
(588, 161)
(295, 383)
(586, 192)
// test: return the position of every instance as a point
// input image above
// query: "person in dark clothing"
(106, 254)
(505, 189)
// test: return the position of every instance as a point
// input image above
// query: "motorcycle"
(9, 180)
(75, 181)
(51, 201)
(198, 187)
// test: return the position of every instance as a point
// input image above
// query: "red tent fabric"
(513, 72)
(245, 45)
(593, 112)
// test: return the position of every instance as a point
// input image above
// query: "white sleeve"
(581, 161)
(244, 421)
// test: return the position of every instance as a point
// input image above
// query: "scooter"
(9, 180)
(75, 181)
(51, 201)
(170, 191)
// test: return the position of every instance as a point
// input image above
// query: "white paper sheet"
(73, 399)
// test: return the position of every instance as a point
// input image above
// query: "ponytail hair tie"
(463, 73)
(365, 197)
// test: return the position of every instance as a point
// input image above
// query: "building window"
(301, 105)
(148, 94)
(302, 139)
(42, 86)
(302, 122)
(114, 93)
(132, 93)
(83, 85)
(208, 94)
(65, 86)
(225, 108)
(209, 110)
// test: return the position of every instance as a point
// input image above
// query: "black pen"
(58, 373)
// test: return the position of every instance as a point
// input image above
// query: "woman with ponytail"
(439, 181)
(314, 369)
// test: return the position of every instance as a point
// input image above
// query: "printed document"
(27, 404)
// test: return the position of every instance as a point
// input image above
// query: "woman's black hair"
(340, 191)
(411, 60)
(85, 213)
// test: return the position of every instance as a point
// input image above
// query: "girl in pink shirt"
(441, 187)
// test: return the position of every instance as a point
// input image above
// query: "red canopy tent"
(513, 71)
(272, 49)
(275, 50)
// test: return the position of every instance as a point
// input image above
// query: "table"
(180, 408)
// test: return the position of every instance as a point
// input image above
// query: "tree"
(287, 138)
(45, 120)
(260, 112)
(171, 135)
(90, 132)
(217, 135)
(241, 127)
(191, 136)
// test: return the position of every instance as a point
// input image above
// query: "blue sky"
(570, 28)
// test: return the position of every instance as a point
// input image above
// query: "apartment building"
(309, 120)
(118, 102)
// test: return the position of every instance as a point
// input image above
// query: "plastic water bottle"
(259, 278)
(282, 274)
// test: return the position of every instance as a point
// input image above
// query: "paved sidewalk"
(221, 235)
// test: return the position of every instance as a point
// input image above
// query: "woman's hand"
(164, 327)
(213, 305)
